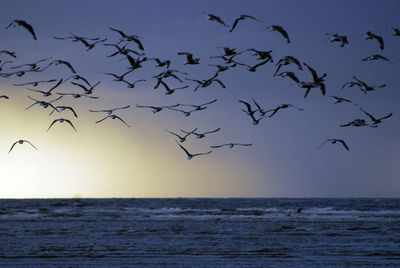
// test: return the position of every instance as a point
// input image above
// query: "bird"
(171, 90)
(47, 93)
(286, 61)
(59, 62)
(25, 25)
(254, 67)
(215, 18)
(62, 120)
(262, 55)
(338, 38)
(36, 83)
(110, 111)
(242, 17)
(370, 36)
(119, 77)
(9, 53)
(182, 139)
(279, 29)
(333, 141)
(200, 106)
(340, 99)
(377, 57)
(156, 109)
(189, 58)
(231, 145)
(318, 81)
(88, 91)
(62, 108)
(44, 104)
(365, 87)
(250, 112)
(113, 116)
(259, 108)
(76, 95)
(129, 38)
(33, 66)
(132, 84)
(290, 75)
(357, 123)
(77, 77)
(83, 40)
(21, 142)
(189, 155)
(282, 106)
(375, 121)
(186, 113)
(309, 85)
(161, 63)
(203, 134)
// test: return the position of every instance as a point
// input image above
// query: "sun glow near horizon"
(108, 160)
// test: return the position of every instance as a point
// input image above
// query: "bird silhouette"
(189, 155)
(333, 141)
(21, 142)
(25, 25)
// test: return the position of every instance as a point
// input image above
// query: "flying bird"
(59, 62)
(189, 155)
(113, 116)
(340, 99)
(62, 120)
(156, 109)
(88, 91)
(279, 29)
(109, 111)
(182, 139)
(283, 106)
(370, 36)
(262, 55)
(291, 75)
(338, 38)
(36, 83)
(242, 17)
(189, 58)
(77, 96)
(203, 134)
(63, 108)
(47, 93)
(215, 18)
(199, 106)
(231, 145)
(9, 53)
(333, 141)
(129, 38)
(286, 61)
(375, 121)
(21, 142)
(357, 123)
(25, 25)
(377, 57)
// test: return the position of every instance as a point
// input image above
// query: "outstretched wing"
(69, 122)
(13, 143)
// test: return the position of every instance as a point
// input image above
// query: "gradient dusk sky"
(111, 160)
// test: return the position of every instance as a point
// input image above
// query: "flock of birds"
(130, 48)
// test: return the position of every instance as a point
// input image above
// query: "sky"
(111, 160)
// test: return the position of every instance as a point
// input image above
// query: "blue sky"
(284, 160)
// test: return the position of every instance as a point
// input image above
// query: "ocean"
(209, 232)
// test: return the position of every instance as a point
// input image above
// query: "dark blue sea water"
(200, 233)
